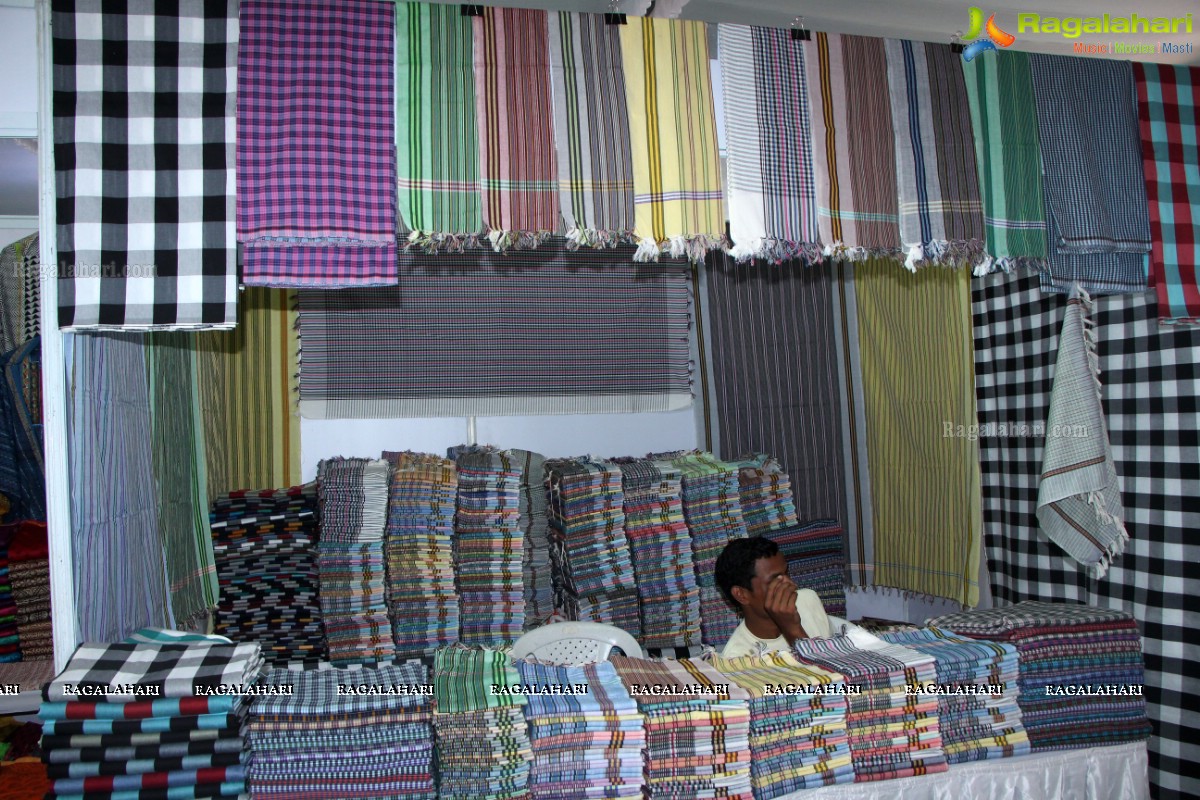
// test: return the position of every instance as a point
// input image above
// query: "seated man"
(752, 574)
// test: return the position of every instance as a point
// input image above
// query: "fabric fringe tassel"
(694, 248)
(433, 242)
(503, 241)
(778, 251)
(594, 238)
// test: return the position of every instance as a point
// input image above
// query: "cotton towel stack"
(265, 549)
(798, 737)
(535, 558)
(661, 549)
(489, 547)
(1081, 673)
(140, 720)
(586, 732)
(29, 579)
(712, 508)
(419, 548)
(815, 553)
(354, 497)
(697, 729)
(593, 569)
(765, 491)
(10, 648)
(893, 733)
(482, 742)
(357, 733)
(976, 693)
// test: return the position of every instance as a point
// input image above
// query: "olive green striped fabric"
(918, 380)
(437, 139)
(248, 395)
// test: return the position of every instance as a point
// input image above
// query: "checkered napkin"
(1079, 497)
(175, 669)
(144, 154)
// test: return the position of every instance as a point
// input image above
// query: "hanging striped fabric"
(678, 205)
(854, 157)
(768, 130)
(1008, 156)
(316, 161)
(591, 129)
(437, 145)
(518, 168)
(941, 216)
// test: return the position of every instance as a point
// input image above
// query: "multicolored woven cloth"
(437, 138)
(591, 129)
(815, 553)
(854, 148)
(1168, 116)
(768, 130)
(1099, 225)
(145, 195)
(678, 204)
(941, 215)
(316, 162)
(1008, 156)
(518, 169)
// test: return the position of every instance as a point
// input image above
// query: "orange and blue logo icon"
(995, 36)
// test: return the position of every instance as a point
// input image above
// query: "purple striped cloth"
(316, 165)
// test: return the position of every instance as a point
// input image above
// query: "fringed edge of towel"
(1007, 264)
(840, 252)
(907, 594)
(597, 238)
(953, 253)
(694, 247)
(434, 242)
(777, 251)
(503, 241)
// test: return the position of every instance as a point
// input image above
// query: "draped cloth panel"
(1168, 117)
(181, 475)
(941, 215)
(772, 341)
(247, 384)
(768, 133)
(917, 383)
(437, 139)
(518, 168)
(120, 585)
(563, 333)
(22, 462)
(1096, 210)
(591, 128)
(678, 203)
(1008, 156)
(854, 159)
(1148, 395)
(316, 156)
(144, 155)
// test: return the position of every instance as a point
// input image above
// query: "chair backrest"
(575, 643)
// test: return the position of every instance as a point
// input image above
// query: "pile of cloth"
(419, 548)
(354, 498)
(815, 552)
(265, 550)
(976, 691)
(765, 491)
(483, 747)
(29, 581)
(713, 511)
(798, 737)
(661, 549)
(361, 733)
(489, 546)
(1081, 671)
(593, 569)
(535, 558)
(585, 730)
(893, 731)
(10, 648)
(140, 719)
(697, 728)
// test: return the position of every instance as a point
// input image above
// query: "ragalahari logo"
(995, 36)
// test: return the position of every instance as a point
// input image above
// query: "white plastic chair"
(575, 643)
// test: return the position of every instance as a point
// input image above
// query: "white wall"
(18, 69)
(603, 435)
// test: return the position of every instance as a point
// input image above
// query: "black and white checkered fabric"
(1151, 385)
(174, 670)
(144, 101)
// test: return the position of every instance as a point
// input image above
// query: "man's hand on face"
(780, 606)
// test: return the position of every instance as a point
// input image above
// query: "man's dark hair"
(735, 565)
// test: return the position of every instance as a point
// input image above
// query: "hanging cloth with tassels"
(678, 203)
(437, 139)
(518, 170)
(772, 194)
(853, 146)
(941, 216)
(591, 129)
